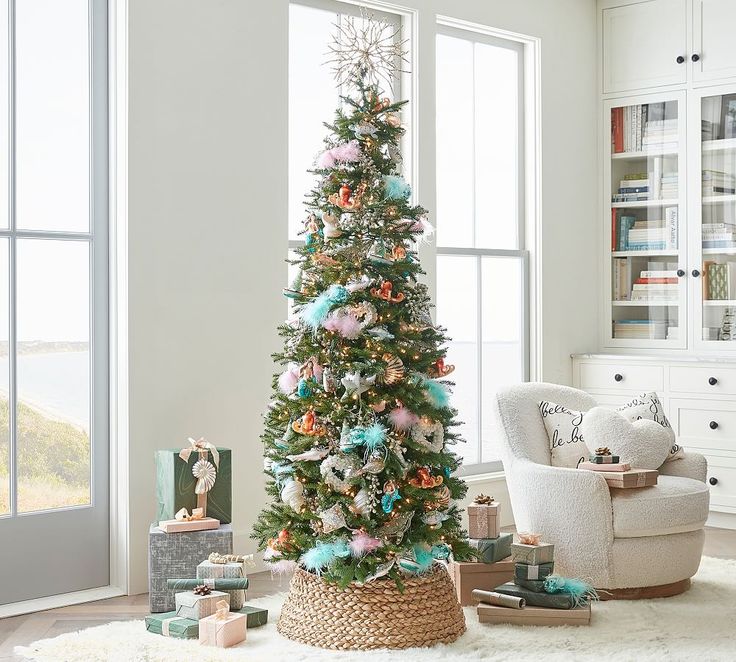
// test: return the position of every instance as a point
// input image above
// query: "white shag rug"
(697, 625)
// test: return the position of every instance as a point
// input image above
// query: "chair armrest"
(570, 508)
(691, 465)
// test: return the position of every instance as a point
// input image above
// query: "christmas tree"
(357, 434)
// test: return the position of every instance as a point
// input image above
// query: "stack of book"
(640, 329)
(716, 182)
(632, 188)
(642, 128)
(660, 134)
(719, 235)
(631, 234)
(660, 290)
(668, 186)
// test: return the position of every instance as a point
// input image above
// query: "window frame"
(480, 34)
(97, 239)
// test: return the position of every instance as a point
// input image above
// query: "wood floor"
(22, 630)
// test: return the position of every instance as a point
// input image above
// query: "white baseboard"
(721, 520)
(57, 601)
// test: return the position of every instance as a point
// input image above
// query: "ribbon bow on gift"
(184, 516)
(529, 538)
(483, 500)
(222, 608)
(603, 450)
(201, 446)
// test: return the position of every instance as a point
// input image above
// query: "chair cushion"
(647, 406)
(674, 505)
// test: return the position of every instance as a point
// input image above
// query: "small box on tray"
(483, 519)
(534, 615)
(631, 478)
(491, 550)
(223, 629)
(484, 576)
(169, 624)
(603, 455)
(197, 607)
(184, 522)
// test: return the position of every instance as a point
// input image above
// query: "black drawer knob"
(680, 59)
(695, 57)
(618, 377)
(712, 381)
(680, 272)
(713, 425)
(696, 273)
(713, 480)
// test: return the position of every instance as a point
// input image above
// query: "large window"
(482, 263)
(53, 247)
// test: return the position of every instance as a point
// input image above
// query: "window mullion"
(479, 371)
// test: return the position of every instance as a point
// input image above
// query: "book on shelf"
(644, 280)
(621, 277)
(644, 127)
(659, 273)
(640, 329)
(721, 280)
(718, 227)
(718, 244)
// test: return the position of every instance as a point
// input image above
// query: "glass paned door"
(54, 423)
(717, 232)
(646, 286)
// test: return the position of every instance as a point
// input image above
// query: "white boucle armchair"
(617, 539)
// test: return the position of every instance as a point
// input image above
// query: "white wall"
(207, 218)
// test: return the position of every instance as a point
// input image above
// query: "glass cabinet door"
(647, 291)
(718, 217)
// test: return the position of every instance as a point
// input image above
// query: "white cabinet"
(644, 45)
(649, 44)
(697, 397)
(714, 47)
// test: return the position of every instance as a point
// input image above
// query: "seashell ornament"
(292, 494)
(394, 371)
(205, 473)
(363, 503)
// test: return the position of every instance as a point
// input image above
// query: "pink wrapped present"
(224, 628)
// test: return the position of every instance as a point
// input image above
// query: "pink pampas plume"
(289, 379)
(347, 326)
(363, 544)
(344, 153)
(326, 159)
(402, 419)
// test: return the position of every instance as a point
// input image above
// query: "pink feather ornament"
(347, 325)
(363, 544)
(289, 379)
(344, 153)
(270, 553)
(402, 419)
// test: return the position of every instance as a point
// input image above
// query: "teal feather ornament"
(436, 393)
(580, 590)
(441, 551)
(374, 437)
(423, 557)
(323, 554)
(396, 187)
(316, 311)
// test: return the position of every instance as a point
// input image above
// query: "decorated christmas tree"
(358, 434)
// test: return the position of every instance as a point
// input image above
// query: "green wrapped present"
(493, 549)
(216, 583)
(536, 585)
(255, 616)
(552, 600)
(171, 625)
(605, 459)
(175, 482)
(534, 572)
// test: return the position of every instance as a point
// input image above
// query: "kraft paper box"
(483, 520)
(255, 616)
(180, 526)
(197, 607)
(222, 632)
(633, 478)
(535, 599)
(209, 570)
(493, 549)
(170, 625)
(485, 576)
(593, 466)
(534, 615)
(175, 485)
(533, 572)
(171, 556)
(532, 554)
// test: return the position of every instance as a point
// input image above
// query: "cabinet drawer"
(711, 381)
(723, 471)
(620, 376)
(705, 427)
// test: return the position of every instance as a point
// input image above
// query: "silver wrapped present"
(209, 570)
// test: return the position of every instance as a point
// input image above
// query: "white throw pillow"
(566, 445)
(647, 406)
(642, 443)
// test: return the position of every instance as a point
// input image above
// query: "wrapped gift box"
(493, 549)
(534, 615)
(632, 478)
(605, 459)
(197, 607)
(524, 571)
(536, 585)
(532, 554)
(171, 556)
(175, 485)
(209, 570)
(255, 616)
(535, 599)
(483, 520)
(181, 526)
(171, 625)
(592, 466)
(222, 632)
(485, 576)
(227, 584)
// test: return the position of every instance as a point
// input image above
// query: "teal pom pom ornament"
(581, 591)
(316, 311)
(322, 554)
(395, 187)
(437, 394)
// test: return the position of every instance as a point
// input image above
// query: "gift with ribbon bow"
(195, 476)
(483, 519)
(184, 521)
(223, 628)
(169, 624)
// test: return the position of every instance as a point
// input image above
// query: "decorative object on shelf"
(483, 576)
(483, 520)
(385, 292)
(491, 550)
(169, 624)
(532, 554)
(223, 628)
(498, 599)
(198, 606)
